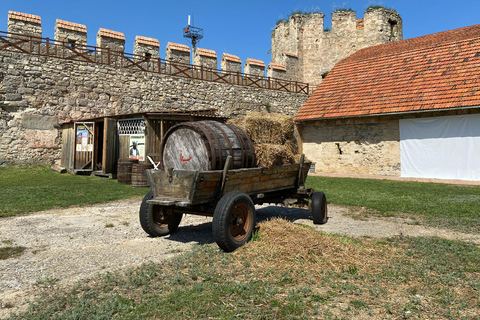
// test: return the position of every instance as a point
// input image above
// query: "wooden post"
(228, 163)
(298, 134)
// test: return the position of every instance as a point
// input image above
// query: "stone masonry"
(37, 93)
(360, 146)
(309, 52)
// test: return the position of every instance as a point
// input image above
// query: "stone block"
(39, 122)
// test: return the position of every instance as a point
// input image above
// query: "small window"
(148, 55)
(71, 43)
(393, 29)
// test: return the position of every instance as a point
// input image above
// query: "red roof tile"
(255, 62)
(147, 41)
(24, 17)
(276, 66)
(178, 47)
(71, 26)
(231, 57)
(111, 34)
(437, 71)
(206, 53)
(290, 54)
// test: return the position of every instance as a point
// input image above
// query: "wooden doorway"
(84, 147)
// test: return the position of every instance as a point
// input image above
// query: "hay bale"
(238, 122)
(266, 127)
(269, 155)
(272, 135)
(291, 144)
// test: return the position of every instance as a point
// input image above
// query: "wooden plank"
(178, 186)
(68, 143)
(123, 147)
(210, 175)
(166, 201)
(109, 159)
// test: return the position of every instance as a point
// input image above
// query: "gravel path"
(67, 245)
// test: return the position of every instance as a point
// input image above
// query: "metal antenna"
(193, 33)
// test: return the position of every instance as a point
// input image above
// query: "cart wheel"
(156, 220)
(319, 208)
(233, 220)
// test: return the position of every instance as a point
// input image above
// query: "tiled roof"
(178, 47)
(24, 17)
(111, 34)
(206, 53)
(71, 26)
(277, 66)
(290, 54)
(434, 72)
(231, 57)
(147, 41)
(255, 62)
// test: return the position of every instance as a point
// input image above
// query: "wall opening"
(71, 43)
(393, 29)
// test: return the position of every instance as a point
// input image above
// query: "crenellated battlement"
(309, 51)
(75, 34)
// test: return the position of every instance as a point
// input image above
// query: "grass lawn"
(26, 189)
(455, 207)
(287, 272)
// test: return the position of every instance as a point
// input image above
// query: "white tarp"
(441, 147)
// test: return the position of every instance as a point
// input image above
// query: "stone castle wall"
(356, 146)
(37, 93)
(318, 50)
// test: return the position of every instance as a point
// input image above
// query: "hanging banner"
(137, 147)
(441, 147)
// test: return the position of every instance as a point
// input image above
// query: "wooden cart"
(227, 195)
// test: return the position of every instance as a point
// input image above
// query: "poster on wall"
(137, 147)
(82, 137)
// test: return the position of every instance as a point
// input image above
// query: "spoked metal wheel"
(233, 220)
(240, 222)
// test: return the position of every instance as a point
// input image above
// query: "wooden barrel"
(205, 145)
(139, 179)
(124, 170)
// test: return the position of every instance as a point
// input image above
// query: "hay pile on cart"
(273, 137)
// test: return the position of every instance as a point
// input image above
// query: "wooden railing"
(20, 43)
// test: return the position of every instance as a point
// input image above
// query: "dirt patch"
(67, 245)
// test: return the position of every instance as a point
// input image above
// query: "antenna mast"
(193, 33)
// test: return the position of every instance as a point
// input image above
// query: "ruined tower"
(309, 52)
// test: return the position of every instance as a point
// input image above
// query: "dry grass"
(287, 246)
(269, 155)
(287, 271)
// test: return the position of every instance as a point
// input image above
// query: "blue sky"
(241, 27)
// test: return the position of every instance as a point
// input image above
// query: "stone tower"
(309, 52)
